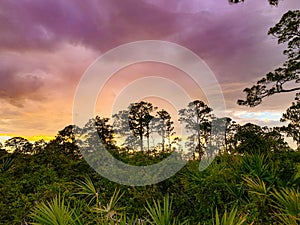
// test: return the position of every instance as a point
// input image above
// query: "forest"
(253, 179)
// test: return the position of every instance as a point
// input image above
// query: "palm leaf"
(162, 214)
(287, 203)
(229, 219)
(88, 189)
(55, 212)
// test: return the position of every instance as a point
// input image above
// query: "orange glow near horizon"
(4, 137)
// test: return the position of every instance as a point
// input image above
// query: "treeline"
(144, 123)
(254, 178)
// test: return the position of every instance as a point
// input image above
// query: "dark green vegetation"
(255, 178)
(54, 184)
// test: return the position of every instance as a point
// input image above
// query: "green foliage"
(247, 182)
(287, 205)
(251, 138)
(6, 164)
(257, 187)
(162, 214)
(231, 218)
(255, 182)
(87, 189)
(111, 208)
(292, 116)
(107, 212)
(55, 212)
(258, 165)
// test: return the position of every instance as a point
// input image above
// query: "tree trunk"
(163, 140)
(148, 138)
(199, 144)
(141, 142)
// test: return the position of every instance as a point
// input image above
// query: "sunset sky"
(46, 47)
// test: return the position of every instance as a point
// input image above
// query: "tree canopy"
(285, 78)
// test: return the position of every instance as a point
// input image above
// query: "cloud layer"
(45, 47)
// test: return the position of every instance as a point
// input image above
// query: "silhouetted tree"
(223, 131)
(148, 118)
(131, 142)
(286, 78)
(121, 124)
(139, 118)
(251, 138)
(122, 130)
(281, 80)
(2, 150)
(65, 141)
(39, 146)
(164, 127)
(231, 129)
(287, 31)
(103, 129)
(292, 116)
(19, 145)
(197, 119)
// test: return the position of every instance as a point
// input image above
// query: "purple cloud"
(45, 46)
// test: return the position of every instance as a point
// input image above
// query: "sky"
(47, 46)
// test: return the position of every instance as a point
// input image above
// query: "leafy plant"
(229, 219)
(111, 209)
(162, 214)
(257, 186)
(287, 204)
(88, 189)
(259, 195)
(55, 212)
(107, 211)
(258, 165)
(6, 164)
